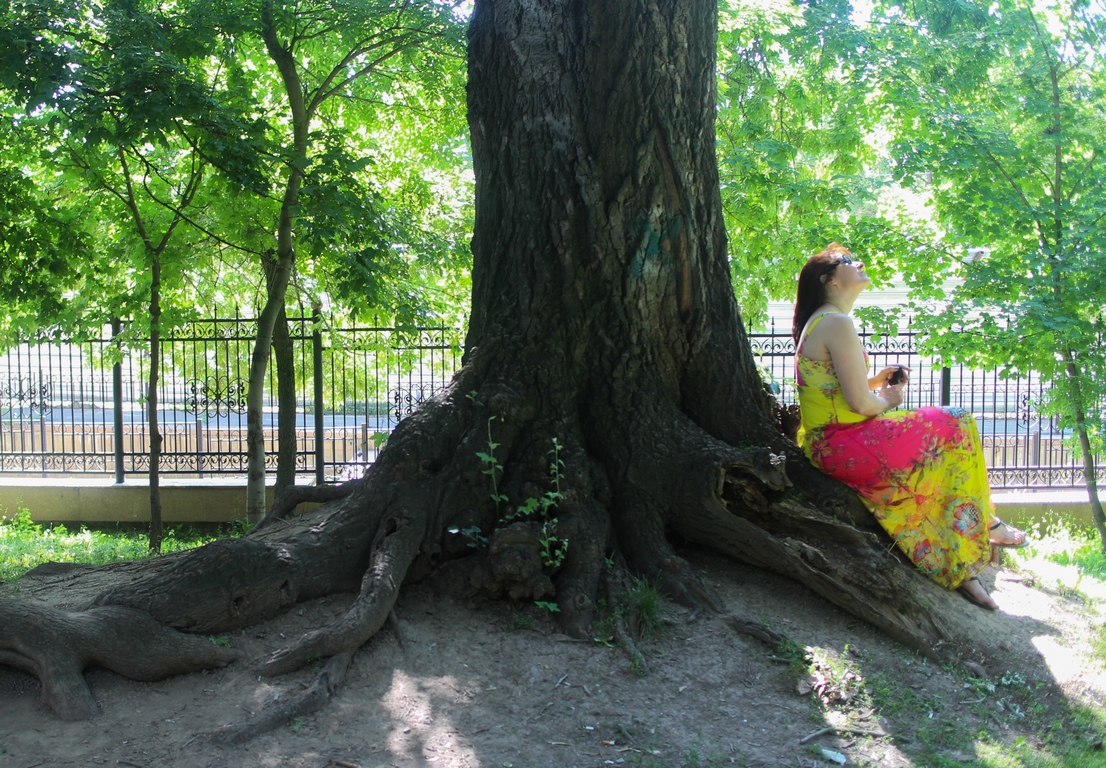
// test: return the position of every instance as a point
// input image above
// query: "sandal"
(962, 589)
(1018, 538)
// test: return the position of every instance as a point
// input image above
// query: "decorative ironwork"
(24, 394)
(771, 345)
(891, 345)
(1041, 477)
(215, 397)
(406, 399)
(237, 329)
(56, 400)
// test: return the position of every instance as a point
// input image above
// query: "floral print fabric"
(920, 473)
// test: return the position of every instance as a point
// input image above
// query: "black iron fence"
(1023, 448)
(80, 407)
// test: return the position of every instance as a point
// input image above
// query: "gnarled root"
(846, 566)
(56, 646)
(293, 495)
(395, 546)
(314, 698)
(615, 585)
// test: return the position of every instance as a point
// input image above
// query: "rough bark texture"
(604, 340)
(285, 363)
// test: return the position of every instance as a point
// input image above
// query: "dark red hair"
(812, 288)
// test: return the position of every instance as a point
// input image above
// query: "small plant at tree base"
(479, 540)
(553, 548)
(645, 598)
(551, 607)
(222, 642)
(492, 467)
(520, 621)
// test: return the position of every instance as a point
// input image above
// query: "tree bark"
(156, 526)
(284, 264)
(284, 358)
(1090, 473)
(608, 399)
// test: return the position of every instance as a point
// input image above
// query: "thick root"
(396, 545)
(56, 646)
(292, 496)
(315, 697)
(615, 586)
(588, 531)
(868, 583)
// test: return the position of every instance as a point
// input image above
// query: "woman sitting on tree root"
(921, 473)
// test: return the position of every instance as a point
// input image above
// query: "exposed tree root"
(765, 634)
(850, 568)
(56, 646)
(311, 700)
(293, 495)
(615, 586)
(397, 543)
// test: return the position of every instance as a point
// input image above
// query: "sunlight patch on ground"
(1064, 664)
(418, 733)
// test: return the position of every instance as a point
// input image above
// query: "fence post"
(200, 447)
(117, 405)
(317, 359)
(946, 386)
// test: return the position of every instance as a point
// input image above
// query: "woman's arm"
(843, 344)
(880, 379)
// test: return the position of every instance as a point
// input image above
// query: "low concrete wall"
(1024, 507)
(81, 500)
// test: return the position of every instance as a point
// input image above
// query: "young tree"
(1001, 107)
(287, 106)
(333, 60)
(608, 394)
(109, 117)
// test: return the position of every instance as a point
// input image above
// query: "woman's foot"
(973, 590)
(1003, 535)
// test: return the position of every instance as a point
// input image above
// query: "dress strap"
(809, 328)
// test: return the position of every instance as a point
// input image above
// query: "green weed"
(25, 544)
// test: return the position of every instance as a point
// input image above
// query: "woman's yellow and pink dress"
(921, 473)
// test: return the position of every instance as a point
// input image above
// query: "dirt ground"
(494, 685)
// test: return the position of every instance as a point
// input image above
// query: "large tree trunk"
(604, 341)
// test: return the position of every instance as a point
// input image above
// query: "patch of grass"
(645, 598)
(1098, 643)
(519, 621)
(1058, 540)
(25, 544)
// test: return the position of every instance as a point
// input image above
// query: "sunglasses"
(843, 260)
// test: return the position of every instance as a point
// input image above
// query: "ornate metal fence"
(80, 407)
(1023, 449)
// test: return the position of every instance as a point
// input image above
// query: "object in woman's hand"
(898, 376)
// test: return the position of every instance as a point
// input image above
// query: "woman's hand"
(892, 394)
(880, 379)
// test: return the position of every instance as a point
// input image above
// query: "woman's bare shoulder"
(829, 323)
(837, 321)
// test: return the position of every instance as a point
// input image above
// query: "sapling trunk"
(1075, 394)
